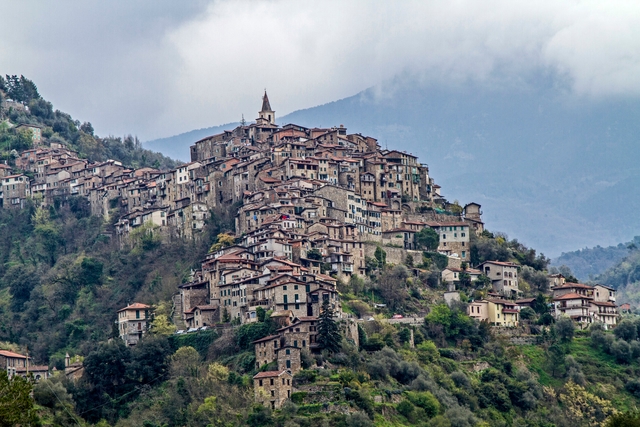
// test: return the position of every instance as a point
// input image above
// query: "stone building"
(272, 388)
(503, 275)
(132, 322)
(289, 358)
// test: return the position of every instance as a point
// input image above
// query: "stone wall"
(394, 255)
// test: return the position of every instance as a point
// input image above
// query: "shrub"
(621, 350)
(298, 397)
(626, 330)
(460, 379)
(405, 408)
(633, 387)
(425, 400)
(565, 329)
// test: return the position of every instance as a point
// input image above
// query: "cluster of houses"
(585, 304)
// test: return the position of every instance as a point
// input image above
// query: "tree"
(16, 405)
(381, 256)
(223, 240)
(408, 261)
(565, 329)
(626, 330)
(540, 304)
(329, 336)
(314, 254)
(393, 286)
(427, 239)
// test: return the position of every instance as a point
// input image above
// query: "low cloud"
(159, 68)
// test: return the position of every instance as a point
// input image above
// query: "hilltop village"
(312, 207)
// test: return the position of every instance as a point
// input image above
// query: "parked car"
(192, 330)
(204, 328)
(397, 316)
(180, 332)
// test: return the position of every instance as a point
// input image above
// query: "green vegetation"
(588, 263)
(16, 405)
(61, 128)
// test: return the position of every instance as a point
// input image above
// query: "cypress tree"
(329, 336)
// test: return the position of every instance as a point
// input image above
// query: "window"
(137, 314)
(271, 382)
(288, 367)
(444, 236)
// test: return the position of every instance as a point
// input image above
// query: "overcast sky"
(157, 68)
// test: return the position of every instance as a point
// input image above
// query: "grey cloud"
(163, 67)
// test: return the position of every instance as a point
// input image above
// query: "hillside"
(625, 276)
(63, 279)
(588, 263)
(266, 284)
(529, 154)
(20, 103)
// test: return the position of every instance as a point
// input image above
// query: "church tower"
(267, 115)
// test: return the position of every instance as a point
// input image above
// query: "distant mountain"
(177, 146)
(553, 170)
(588, 263)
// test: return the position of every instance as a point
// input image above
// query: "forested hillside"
(625, 276)
(28, 107)
(63, 278)
(588, 263)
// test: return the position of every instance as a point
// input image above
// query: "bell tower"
(267, 115)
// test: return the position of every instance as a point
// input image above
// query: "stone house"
(11, 362)
(36, 132)
(272, 388)
(555, 280)
(73, 369)
(473, 215)
(452, 274)
(132, 322)
(205, 315)
(265, 349)
(453, 238)
(14, 190)
(289, 358)
(503, 275)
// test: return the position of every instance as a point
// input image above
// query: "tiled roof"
(268, 374)
(7, 353)
(135, 306)
(571, 295)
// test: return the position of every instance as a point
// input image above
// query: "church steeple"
(267, 115)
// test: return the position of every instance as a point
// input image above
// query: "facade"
(12, 362)
(132, 322)
(497, 312)
(503, 275)
(272, 388)
(586, 304)
(454, 238)
(452, 274)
